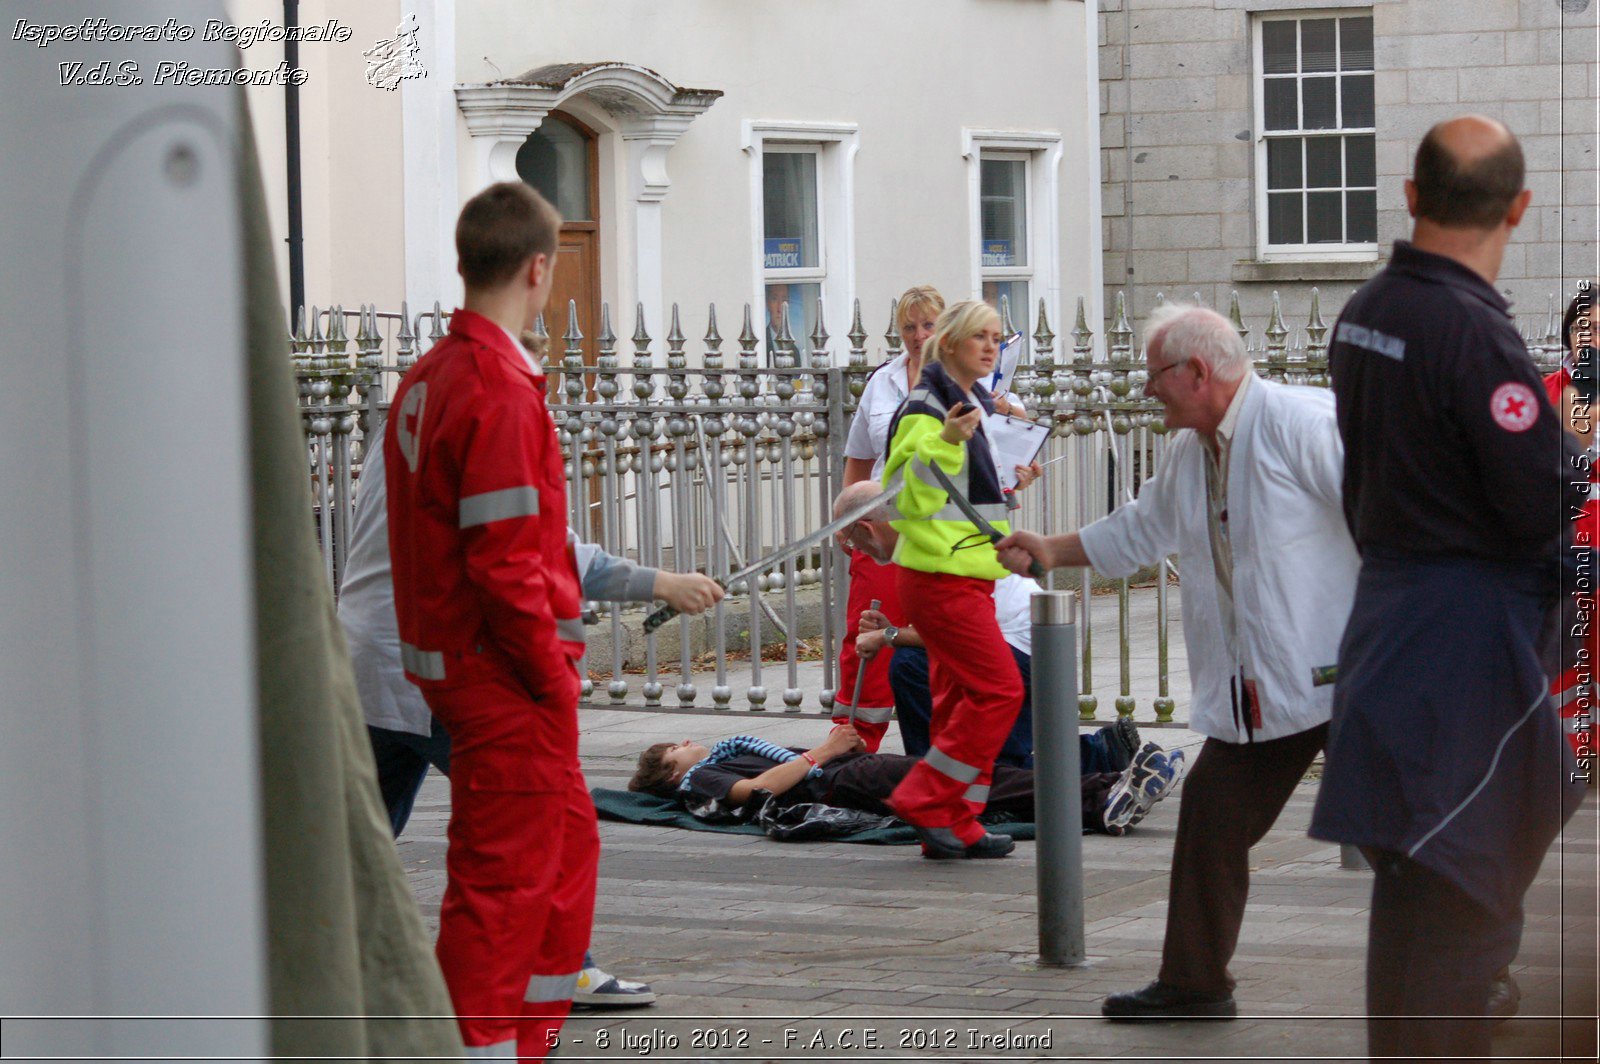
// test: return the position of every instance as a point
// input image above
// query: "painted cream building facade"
(724, 148)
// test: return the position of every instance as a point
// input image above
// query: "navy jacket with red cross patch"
(1451, 445)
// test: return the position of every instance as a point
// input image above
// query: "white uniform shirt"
(1295, 566)
(869, 430)
(366, 609)
(1011, 601)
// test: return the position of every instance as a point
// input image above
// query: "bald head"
(857, 494)
(1468, 173)
(872, 534)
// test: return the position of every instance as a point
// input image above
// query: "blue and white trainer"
(1150, 778)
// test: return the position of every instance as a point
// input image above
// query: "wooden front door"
(577, 286)
(561, 159)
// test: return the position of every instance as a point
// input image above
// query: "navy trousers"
(913, 707)
(1432, 953)
(403, 759)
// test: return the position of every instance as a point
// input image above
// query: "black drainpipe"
(291, 127)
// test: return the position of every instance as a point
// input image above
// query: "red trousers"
(868, 581)
(519, 900)
(977, 693)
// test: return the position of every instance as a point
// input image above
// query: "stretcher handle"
(1035, 570)
(861, 674)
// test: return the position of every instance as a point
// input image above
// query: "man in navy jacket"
(1445, 759)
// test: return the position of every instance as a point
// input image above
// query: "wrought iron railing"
(713, 461)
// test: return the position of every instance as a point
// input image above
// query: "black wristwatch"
(888, 635)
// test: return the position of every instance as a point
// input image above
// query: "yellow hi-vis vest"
(930, 524)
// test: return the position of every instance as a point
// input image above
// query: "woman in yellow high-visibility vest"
(947, 571)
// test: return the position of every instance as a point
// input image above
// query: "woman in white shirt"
(889, 384)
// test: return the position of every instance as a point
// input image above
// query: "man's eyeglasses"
(1151, 379)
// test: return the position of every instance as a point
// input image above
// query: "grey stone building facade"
(1261, 145)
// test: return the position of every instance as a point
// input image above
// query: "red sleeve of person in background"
(1586, 528)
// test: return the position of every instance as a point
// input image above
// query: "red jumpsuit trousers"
(977, 693)
(522, 863)
(868, 581)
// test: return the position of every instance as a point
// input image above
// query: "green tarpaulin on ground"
(634, 807)
(346, 945)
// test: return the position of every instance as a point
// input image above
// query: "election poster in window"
(996, 252)
(785, 253)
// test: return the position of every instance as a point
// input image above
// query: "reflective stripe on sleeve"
(552, 987)
(570, 629)
(927, 398)
(499, 505)
(924, 474)
(978, 793)
(498, 1051)
(943, 763)
(989, 511)
(428, 664)
(872, 714)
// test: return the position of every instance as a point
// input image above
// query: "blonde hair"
(918, 297)
(957, 322)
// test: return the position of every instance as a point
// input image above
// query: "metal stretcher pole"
(861, 674)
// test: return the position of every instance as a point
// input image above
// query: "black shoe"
(1505, 997)
(1126, 733)
(1158, 1001)
(941, 844)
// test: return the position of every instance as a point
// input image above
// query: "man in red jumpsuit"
(487, 596)
(872, 586)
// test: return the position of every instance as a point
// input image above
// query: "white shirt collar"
(896, 370)
(516, 344)
(1230, 419)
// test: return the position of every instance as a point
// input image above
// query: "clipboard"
(1010, 355)
(1015, 441)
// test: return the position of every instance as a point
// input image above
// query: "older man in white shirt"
(1248, 497)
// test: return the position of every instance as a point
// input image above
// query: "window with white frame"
(1316, 153)
(1014, 178)
(802, 202)
(1004, 261)
(793, 263)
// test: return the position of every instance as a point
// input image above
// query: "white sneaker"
(598, 990)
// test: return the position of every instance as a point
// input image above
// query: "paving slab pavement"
(763, 950)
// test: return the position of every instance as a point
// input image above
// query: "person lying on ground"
(712, 781)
